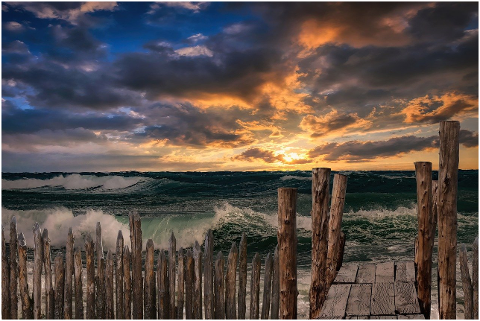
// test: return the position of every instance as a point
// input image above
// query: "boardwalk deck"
(373, 291)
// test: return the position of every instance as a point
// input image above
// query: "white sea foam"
(300, 178)
(73, 182)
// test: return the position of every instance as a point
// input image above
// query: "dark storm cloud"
(254, 154)
(468, 138)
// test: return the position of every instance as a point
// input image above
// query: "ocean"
(379, 219)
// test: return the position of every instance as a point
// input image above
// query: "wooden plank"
(14, 271)
(267, 286)
(78, 284)
(347, 274)
(255, 288)
(366, 273)
(377, 317)
(230, 283)
(189, 284)
(219, 286)
(172, 250)
(27, 310)
(5, 279)
(383, 299)
(90, 291)
(406, 298)
(68, 310)
(49, 299)
(37, 273)
(208, 276)
(359, 300)
(275, 287)
(119, 298)
(128, 283)
(197, 296)
(466, 282)
(150, 297)
(109, 304)
(475, 278)
(385, 272)
(181, 284)
(242, 277)
(405, 271)
(411, 316)
(59, 286)
(336, 303)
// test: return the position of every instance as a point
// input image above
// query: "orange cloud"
(333, 122)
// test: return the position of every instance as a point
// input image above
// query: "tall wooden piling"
(189, 285)
(242, 277)
(37, 272)
(341, 250)
(197, 303)
(150, 302)
(78, 284)
(447, 217)
(100, 276)
(230, 283)
(119, 297)
(320, 218)
(5, 279)
(109, 304)
(172, 250)
(13, 269)
(275, 285)
(68, 314)
(255, 287)
(475, 278)
(466, 282)
(128, 284)
(137, 280)
(47, 261)
(208, 275)
(163, 287)
(27, 311)
(89, 253)
(59, 287)
(267, 286)
(181, 284)
(423, 174)
(287, 244)
(335, 225)
(219, 287)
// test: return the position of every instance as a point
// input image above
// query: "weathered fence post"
(423, 174)
(189, 281)
(100, 276)
(341, 249)
(275, 285)
(89, 253)
(475, 278)
(172, 250)
(466, 282)
(13, 269)
(335, 225)
(49, 295)
(447, 217)
(267, 286)
(59, 286)
(137, 280)
(181, 284)
(230, 280)
(5, 280)
(197, 303)
(242, 277)
(119, 299)
(37, 273)
(68, 275)
(255, 287)
(27, 312)
(219, 287)
(163, 287)
(287, 244)
(78, 285)
(150, 302)
(320, 218)
(128, 283)
(109, 306)
(208, 275)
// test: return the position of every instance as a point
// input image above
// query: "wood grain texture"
(406, 299)
(189, 284)
(208, 275)
(5, 279)
(230, 280)
(383, 299)
(37, 273)
(336, 303)
(197, 296)
(267, 286)
(90, 259)
(119, 289)
(275, 286)
(172, 250)
(150, 289)
(466, 282)
(411, 316)
(14, 270)
(242, 277)
(359, 300)
(163, 287)
(475, 277)
(109, 300)
(385, 272)
(255, 287)
(366, 273)
(59, 286)
(405, 271)
(47, 264)
(100, 275)
(27, 309)
(68, 311)
(127, 283)
(77, 258)
(347, 274)
(219, 286)
(181, 283)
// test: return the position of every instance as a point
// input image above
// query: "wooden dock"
(373, 291)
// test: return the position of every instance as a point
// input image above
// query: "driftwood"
(230, 280)
(78, 285)
(59, 286)
(37, 272)
(27, 311)
(219, 287)
(181, 284)
(47, 261)
(189, 284)
(119, 297)
(267, 286)
(255, 287)
(242, 277)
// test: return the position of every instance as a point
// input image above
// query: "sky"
(199, 86)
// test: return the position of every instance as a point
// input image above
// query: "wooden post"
(47, 261)
(267, 286)
(59, 286)
(423, 174)
(320, 218)
(37, 272)
(128, 283)
(78, 285)
(475, 278)
(341, 250)
(119, 299)
(137, 281)
(231, 283)
(287, 244)
(172, 246)
(68, 275)
(255, 287)
(208, 271)
(181, 284)
(150, 302)
(89, 253)
(275, 286)
(189, 281)
(100, 276)
(13, 269)
(27, 312)
(335, 225)
(434, 209)
(447, 217)
(242, 277)
(197, 297)
(5, 280)
(163, 287)
(466, 282)
(109, 306)
(219, 287)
